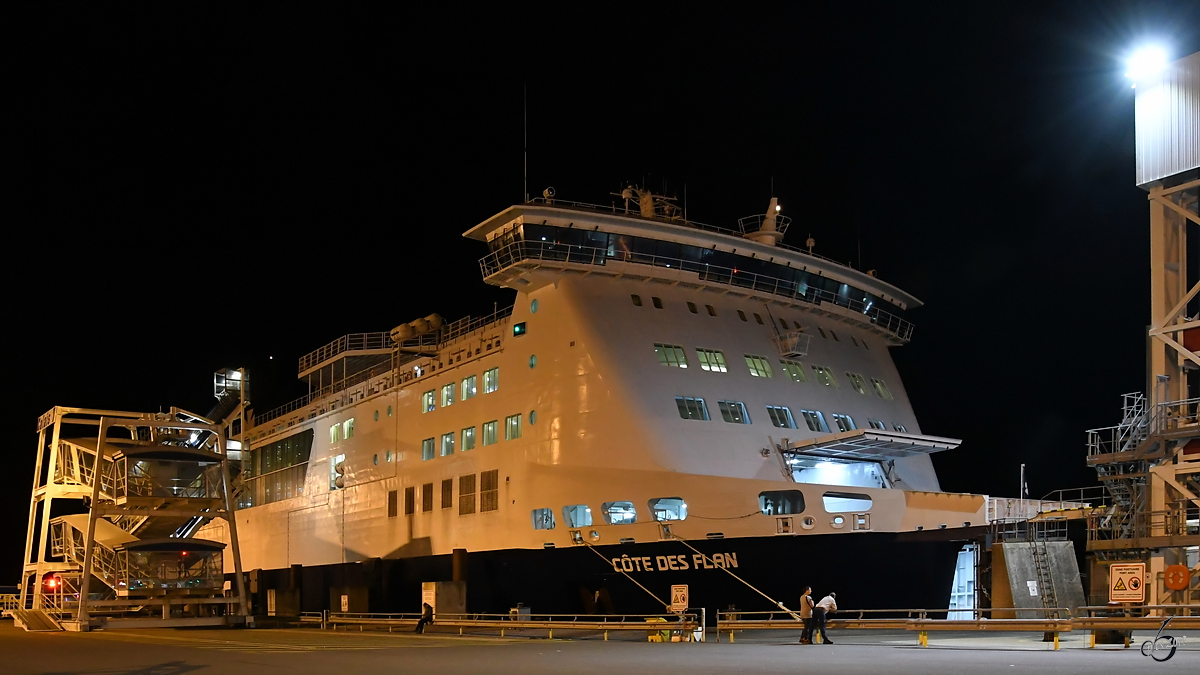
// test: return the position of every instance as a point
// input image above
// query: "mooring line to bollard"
(666, 605)
(748, 585)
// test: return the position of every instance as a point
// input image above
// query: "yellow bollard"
(1056, 640)
(923, 638)
(606, 636)
(1092, 641)
(730, 637)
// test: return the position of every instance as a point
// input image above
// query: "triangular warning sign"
(1120, 586)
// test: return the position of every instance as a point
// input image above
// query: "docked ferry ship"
(665, 402)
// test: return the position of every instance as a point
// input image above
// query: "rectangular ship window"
(844, 422)
(468, 439)
(857, 382)
(427, 402)
(670, 355)
(447, 493)
(512, 427)
(734, 411)
(447, 394)
(468, 388)
(691, 408)
(466, 494)
(901, 428)
(759, 366)
(877, 424)
(815, 420)
(781, 416)
(335, 433)
(577, 515)
(427, 450)
(447, 444)
(410, 500)
(825, 376)
(619, 513)
(489, 432)
(543, 519)
(348, 428)
(489, 491)
(712, 360)
(393, 503)
(794, 370)
(427, 497)
(491, 380)
(881, 388)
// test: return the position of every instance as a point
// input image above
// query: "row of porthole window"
(713, 360)
(666, 509)
(712, 311)
(432, 447)
(694, 408)
(467, 389)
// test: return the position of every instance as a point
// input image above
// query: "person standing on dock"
(821, 612)
(806, 615)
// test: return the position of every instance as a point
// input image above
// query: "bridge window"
(734, 412)
(825, 376)
(781, 502)
(447, 445)
(857, 382)
(577, 515)
(489, 432)
(670, 355)
(543, 519)
(447, 394)
(491, 380)
(844, 422)
(427, 402)
(781, 416)
(794, 370)
(881, 388)
(691, 408)
(619, 513)
(846, 502)
(427, 452)
(668, 508)
(815, 420)
(468, 388)
(759, 366)
(712, 360)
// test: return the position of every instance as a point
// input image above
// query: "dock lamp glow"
(1145, 62)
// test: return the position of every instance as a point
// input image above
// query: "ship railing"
(9, 602)
(1092, 495)
(1003, 509)
(346, 343)
(1172, 523)
(635, 213)
(686, 623)
(521, 251)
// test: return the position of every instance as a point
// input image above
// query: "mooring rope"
(727, 570)
(666, 605)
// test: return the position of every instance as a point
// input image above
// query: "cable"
(722, 567)
(666, 605)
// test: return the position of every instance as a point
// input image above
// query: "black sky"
(192, 188)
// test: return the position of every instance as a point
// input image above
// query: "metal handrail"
(352, 341)
(1090, 611)
(519, 251)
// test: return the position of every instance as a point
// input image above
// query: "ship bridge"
(533, 243)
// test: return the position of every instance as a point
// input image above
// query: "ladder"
(1041, 563)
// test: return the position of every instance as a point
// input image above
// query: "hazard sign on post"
(1126, 582)
(679, 597)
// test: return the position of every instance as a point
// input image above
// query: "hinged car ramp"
(117, 497)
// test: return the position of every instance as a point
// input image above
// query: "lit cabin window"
(427, 449)
(519, 329)
(447, 445)
(692, 307)
(781, 416)
(637, 300)
(734, 412)
(376, 415)
(857, 382)
(657, 302)
(825, 376)
(668, 508)
(337, 472)
(543, 519)
(468, 439)
(844, 422)
(712, 360)
(794, 370)
(759, 366)
(670, 355)
(876, 424)
(512, 427)
(781, 502)
(491, 380)
(447, 394)
(845, 502)
(691, 408)
(389, 411)
(815, 420)
(489, 432)
(619, 513)
(427, 402)
(881, 388)
(533, 306)
(468, 388)
(348, 428)
(335, 433)
(901, 428)
(577, 515)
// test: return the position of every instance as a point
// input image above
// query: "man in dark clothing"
(426, 617)
(826, 606)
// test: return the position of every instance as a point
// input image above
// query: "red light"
(185, 552)
(51, 582)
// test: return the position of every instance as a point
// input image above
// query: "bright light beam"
(1145, 62)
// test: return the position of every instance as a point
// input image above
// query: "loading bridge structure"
(117, 499)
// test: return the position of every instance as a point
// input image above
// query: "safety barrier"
(675, 624)
(9, 602)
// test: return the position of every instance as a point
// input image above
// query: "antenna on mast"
(525, 148)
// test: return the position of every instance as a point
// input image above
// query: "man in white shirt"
(826, 606)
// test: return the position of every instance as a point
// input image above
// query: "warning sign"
(679, 597)
(1126, 582)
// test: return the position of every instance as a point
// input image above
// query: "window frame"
(671, 356)
(683, 405)
(490, 431)
(778, 413)
(731, 410)
(491, 380)
(465, 392)
(512, 427)
(428, 449)
(712, 360)
(760, 366)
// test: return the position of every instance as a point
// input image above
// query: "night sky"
(191, 189)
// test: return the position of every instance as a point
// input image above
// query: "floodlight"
(1145, 62)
